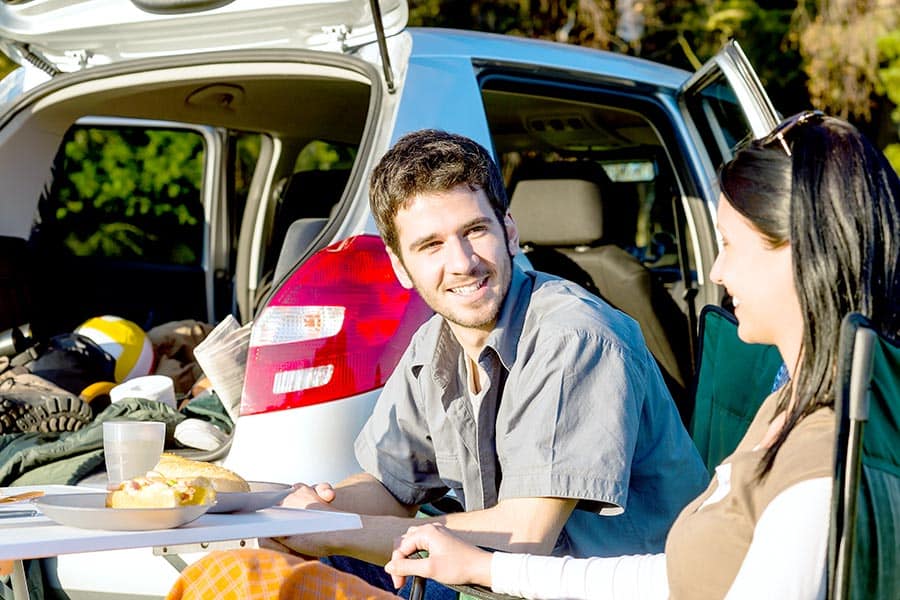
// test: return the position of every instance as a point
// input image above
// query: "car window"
(127, 194)
(720, 120)
(542, 130)
(595, 197)
(308, 195)
(121, 228)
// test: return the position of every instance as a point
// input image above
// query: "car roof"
(499, 48)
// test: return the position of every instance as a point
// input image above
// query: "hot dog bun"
(223, 480)
(158, 492)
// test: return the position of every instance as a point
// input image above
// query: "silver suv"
(268, 116)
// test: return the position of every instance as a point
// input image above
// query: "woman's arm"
(453, 561)
(786, 558)
(635, 577)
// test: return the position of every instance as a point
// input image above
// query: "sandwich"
(153, 491)
(172, 466)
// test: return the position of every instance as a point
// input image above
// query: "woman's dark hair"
(835, 199)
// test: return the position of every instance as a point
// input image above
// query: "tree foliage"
(130, 194)
(839, 44)
(822, 53)
(889, 79)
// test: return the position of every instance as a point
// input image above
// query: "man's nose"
(461, 257)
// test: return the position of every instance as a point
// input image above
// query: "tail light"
(337, 327)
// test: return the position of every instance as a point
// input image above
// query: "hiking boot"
(30, 403)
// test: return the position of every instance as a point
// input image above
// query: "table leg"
(19, 583)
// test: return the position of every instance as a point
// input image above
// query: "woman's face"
(760, 280)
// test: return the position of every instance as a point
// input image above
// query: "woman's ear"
(512, 234)
(399, 270)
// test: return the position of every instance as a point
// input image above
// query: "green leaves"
(130, 194)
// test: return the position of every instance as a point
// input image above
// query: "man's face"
(455, 254)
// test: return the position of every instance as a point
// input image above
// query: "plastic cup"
(131, 448)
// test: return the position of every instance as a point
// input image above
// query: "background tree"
(837, 55)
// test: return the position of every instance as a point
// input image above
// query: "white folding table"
(38, 536)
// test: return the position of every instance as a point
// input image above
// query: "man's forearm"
(525, 525)
(519, 525)
(365, 495)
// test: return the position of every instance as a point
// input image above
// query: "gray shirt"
(575, 408)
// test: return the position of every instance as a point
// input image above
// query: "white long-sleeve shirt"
(786, 559)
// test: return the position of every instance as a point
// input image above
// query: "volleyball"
(125, 341)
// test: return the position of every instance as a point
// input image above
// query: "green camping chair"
(864, 548)
(733, 378)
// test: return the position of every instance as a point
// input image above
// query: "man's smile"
(466, 290)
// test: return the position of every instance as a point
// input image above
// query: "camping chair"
(864, 540)
(732, 380)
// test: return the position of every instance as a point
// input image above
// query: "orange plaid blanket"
(266, 574)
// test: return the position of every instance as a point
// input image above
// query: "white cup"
(152, 387)
(131, 448)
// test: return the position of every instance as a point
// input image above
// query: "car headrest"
(558, 212)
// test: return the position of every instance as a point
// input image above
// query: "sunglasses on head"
(781, 130)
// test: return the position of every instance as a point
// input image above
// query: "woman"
(810, 224)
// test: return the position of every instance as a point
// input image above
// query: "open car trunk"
(131, 192)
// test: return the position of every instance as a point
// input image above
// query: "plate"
(88, 511)
(262, 494)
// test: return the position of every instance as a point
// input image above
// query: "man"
(531, 399)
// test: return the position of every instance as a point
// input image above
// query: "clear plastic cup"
(131, 448)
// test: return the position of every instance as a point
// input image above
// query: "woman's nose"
(715, 273)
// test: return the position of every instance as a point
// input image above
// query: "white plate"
(262, 495)
(88, 511)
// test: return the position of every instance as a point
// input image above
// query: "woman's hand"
(450, 560)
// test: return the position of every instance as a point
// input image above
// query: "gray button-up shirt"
(576, 408)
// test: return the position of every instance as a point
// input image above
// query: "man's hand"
(317, 497)
(450, 560)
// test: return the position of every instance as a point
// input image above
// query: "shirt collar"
(503, 340)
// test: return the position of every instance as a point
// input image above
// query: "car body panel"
(307, 437)
(74, 34)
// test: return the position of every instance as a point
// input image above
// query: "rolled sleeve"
(394, 445)
(570, 429)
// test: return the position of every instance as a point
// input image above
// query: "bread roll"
(223, 480)
(157, 492)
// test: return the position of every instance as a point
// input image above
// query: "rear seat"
(15, 284)
(305, 202)
(566, 218)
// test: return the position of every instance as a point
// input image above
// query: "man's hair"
(836, 200)
(431, 161)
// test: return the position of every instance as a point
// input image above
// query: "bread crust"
(223, 480)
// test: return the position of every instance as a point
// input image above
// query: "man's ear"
(512, 234)
(399, 270)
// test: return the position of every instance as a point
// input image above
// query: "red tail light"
(337, 327)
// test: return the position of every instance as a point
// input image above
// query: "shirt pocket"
(451, 472)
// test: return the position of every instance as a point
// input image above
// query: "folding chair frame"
(864, 538)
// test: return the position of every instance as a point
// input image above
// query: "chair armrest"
(417, 588)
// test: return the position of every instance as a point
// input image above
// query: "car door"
(131, 224)
(726, 104)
